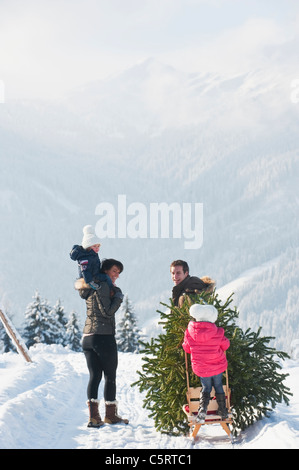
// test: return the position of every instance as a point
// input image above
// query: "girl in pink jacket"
(206, 343)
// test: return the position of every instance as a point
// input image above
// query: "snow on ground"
(43, 406)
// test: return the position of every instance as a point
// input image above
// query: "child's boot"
(203, 405)
(222, 410)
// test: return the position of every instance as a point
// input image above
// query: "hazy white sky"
(50, 46)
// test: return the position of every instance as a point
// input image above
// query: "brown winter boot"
(95, 420)
(111, 414)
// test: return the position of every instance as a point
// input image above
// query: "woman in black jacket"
(99, 345)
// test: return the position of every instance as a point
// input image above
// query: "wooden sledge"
(191, 407)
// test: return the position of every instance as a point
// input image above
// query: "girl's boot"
(222, 410)
(95, 420)
(203, 405)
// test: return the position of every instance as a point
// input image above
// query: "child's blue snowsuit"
(89, 266)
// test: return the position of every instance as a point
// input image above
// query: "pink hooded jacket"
(206, 343)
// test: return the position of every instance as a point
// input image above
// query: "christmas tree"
(128, 335)
(253, 368)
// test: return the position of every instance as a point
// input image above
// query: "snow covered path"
(43, 406)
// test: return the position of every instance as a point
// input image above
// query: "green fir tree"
(254, 369)
(6, 343)
(73, 333)
(59, 321)
(128, 335)
(37, 322)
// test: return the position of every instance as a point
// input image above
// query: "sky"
(50, 47)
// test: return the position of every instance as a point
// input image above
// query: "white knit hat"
(89, 237)
(203, 312)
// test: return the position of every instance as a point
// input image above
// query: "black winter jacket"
(101, 308)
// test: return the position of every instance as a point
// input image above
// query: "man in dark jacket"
(184, 283)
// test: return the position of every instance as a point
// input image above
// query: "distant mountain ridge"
(155, 134)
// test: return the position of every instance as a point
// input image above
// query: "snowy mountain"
(155, 134)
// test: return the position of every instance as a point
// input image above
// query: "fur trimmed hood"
(81, 284)
(210, 283)
(191, 285)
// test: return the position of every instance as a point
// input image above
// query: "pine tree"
(37, 324)
(253, 368)
(128, 335)
(59, 322)
(59, 309)
(5, 341)
(55, 333)
(73, 333)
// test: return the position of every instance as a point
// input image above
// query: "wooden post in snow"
(15, 337)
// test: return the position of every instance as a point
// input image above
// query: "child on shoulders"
(89, 263)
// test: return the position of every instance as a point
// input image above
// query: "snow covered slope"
(42, 406)
(156, 134)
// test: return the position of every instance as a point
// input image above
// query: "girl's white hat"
(203, 312)
(89, 237)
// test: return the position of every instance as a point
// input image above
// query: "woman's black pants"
(101, 357)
